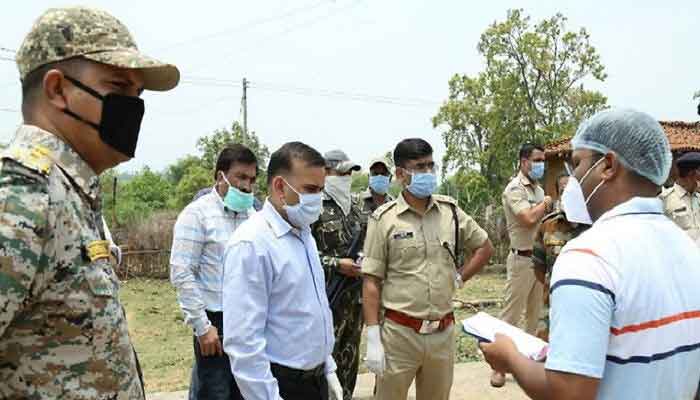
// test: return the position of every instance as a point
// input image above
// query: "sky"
(359, 75)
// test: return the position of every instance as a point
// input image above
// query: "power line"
(5, 49)
(247, 25)
(304, 24)
(7, 59)
(9, 110)
(315, 92)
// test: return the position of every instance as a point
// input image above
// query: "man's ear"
(54, 90)
(611, 166)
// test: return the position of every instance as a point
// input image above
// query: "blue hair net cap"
(638, 140)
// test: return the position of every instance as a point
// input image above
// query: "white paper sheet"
(484, 327)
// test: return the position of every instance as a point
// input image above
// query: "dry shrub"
(153, 233)
(146, 245)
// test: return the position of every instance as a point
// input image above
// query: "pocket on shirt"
(410, 251)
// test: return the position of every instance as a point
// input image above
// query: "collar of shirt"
(525, 180)
(63, 155)
(402, 205)
(279, 225)
(682, 192)
(635, 205)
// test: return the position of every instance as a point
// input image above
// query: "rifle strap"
(456, 221)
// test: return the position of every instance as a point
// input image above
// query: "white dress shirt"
(275, 304)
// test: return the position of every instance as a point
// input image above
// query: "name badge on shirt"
(402, 235)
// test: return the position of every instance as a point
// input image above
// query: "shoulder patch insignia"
(38, 158)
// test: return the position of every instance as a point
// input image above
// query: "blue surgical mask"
(306, 211)
(423, 184)
(235, 199)
(379, 183)
(537, 170)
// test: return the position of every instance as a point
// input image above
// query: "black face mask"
(121, 119)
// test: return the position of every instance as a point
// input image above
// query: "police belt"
(293, 374)
(421, 326)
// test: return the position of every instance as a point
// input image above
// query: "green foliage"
(196, 177)
(360, 181)
(175, 172)
(145, 192)
(530, 90)
(211, 146)
(471, 189)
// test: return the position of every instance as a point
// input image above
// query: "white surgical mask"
(338, 187)
(573, 203)
(306, 211)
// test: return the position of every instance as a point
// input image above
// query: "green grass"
(164, 343)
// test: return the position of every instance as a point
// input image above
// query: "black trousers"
(294, 386)
(212, 378)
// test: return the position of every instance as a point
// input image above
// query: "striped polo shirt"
(625, 305)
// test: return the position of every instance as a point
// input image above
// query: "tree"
(146, 192)
(175, 172)
(211, 146)
(194, 179)
(530, 90)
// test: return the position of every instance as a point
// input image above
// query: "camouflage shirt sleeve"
(24, 236)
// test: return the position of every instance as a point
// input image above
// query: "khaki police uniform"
(404, 249)
(684, 209)
(523, 290)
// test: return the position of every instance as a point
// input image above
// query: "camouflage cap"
(63, 33)
(380, 160)
(338, 160)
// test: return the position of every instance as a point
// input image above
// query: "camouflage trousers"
(347, 324)
(543, 323)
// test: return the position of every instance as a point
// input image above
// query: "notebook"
(484, 327)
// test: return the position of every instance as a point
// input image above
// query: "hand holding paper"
(485, 327)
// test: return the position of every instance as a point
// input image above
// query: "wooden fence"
(144, 264)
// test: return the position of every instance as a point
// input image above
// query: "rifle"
(338, 283)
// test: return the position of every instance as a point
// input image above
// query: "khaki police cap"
(63, 33)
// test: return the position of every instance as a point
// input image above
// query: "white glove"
(375, 351)
(335, 391)
(459, 283)
(116, 252)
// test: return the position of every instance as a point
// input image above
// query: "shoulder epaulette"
(37, 158)
(377, 214)
(666, 192)
(445, 199)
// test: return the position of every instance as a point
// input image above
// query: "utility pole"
(245, 106)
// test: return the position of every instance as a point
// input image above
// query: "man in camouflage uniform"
(552, 235)
(63, 331)
(378, 191)
(335, 231)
